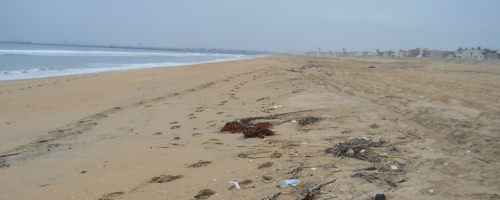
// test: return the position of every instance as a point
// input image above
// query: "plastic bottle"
(289, 182)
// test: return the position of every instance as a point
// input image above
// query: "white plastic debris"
(421, 96)
(362, 151)
(431, 191)
(468, 151)
(445, 164)
(327, 116)
(313, 168)
(293, 121)
(394, 167)
(235, 184)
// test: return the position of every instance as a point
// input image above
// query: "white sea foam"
(110, 53)
(89, 69)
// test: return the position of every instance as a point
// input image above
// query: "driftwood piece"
(275, 196)
(317, 187)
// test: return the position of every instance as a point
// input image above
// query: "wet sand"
(154, 133)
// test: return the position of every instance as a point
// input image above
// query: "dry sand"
(107, 136)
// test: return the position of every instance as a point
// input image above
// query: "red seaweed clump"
(248, 129)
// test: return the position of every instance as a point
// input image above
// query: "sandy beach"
(155, 133)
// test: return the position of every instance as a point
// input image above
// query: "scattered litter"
(235, 184)
(293, 121)
(369, 154)
(350, 153)
(313, 168)
(393, 167)
(371, 178)
(275, 107)
(295, 171)
(366, 139)
(431, 192)
(445, 164)
(289, 182)
(327, 116)
(421, 96)
(362, 151)
(468, 151)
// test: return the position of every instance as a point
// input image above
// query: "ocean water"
(25, 61)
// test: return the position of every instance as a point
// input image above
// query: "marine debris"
(364, 149)
(249, 130)
(304, 121)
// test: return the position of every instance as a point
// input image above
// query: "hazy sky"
(294, 26)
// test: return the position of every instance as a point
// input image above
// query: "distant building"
(426, 53)
(401, 53)
(469, 53)
(414, 53)
(489, 54)
(450, 55)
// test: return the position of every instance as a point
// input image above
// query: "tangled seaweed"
(249, 129)
(304, 121)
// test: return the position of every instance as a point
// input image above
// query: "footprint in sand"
(165, 178)
(175, 127)
(199, 164)
(204, 194)
(111, 195)
(266, 165)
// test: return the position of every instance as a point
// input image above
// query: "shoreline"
(119, 70)
(155, 133)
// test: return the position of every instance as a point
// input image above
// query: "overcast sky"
(293, 26)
